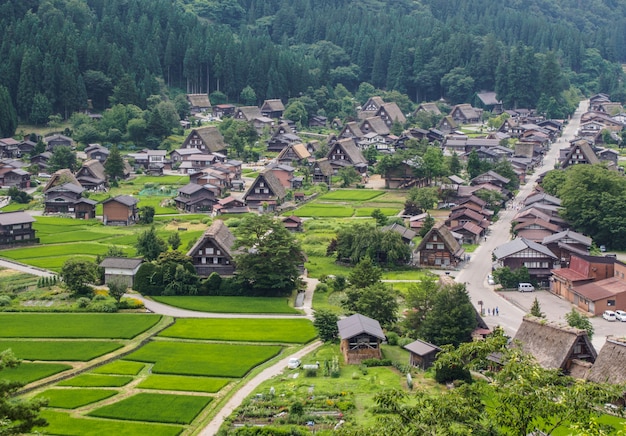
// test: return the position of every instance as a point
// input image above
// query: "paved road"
(513, 306)
(40, 272)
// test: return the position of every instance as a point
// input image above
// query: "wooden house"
(207, 139)
(609, 365)
(57, 140)
(422, 354)
(564, 244)
(360, 338)
(490, 177)
(265, 192)
(273, 108)
(120, 211)
(428, 107)
(293, 223)
(580, 152)
(247, 113)
(439, 248)
(91, 175)
(535, 230)
(294, 154)
(554, 346)
(17, 177)
(195, 198)
(199, 103)
(519, 252)
(374, 125)
(465, 114)
(406, 234)
(98, 152)
(390, 113)
(67, 199)
(285, 175)
(230, 205)
(223, 110)
(351, 130)
(487, 100)
(371, 106)
(16, 228)
(120, 270)
(447, 125)
(322, 171)
(344, 153)
(214, 251)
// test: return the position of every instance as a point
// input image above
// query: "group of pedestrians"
(495, 311)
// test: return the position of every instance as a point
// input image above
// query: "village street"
(512, 306)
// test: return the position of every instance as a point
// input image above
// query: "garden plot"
(73, 398)
(230, 304)
(82, 351)
(201, 359)
(166, 408)
(75, 325)
(297, 331)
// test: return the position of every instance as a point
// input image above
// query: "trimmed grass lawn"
(97, 381)
(231, 304)
(121, 367)
(247, 330)
(60, 350)
(73, 398)
(75, 325)
(215, 360)
(351, 195)
(183, 383)
(323, 210)
(174, 409)
(63, 424)
(29, 372)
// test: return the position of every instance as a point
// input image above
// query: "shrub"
(377, 362)
(392, 338)
(446, 374)
(129, 303)
(83, 302)
(405, 341)
(310, 372)
(108, 306)
(321, 287)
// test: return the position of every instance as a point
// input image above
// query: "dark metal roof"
(356, 324)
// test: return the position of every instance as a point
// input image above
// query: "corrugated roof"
(356, 324)
(120, 262)
(421, 348)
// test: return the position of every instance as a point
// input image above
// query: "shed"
(360, 338)
(120, 270)
(422, 354)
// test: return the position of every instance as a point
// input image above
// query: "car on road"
(525, 287)
(490, 280)
(609, 315)
(620, 315)
(293, 363)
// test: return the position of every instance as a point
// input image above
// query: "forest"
(57, 54)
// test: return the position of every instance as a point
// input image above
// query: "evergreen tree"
(62, 157)
(8, 115)
(114, 165)
(325, 323)
(535, 310)
(41, 109)
(150, 245)
(474, 167)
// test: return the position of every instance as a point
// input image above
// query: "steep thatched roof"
(451, 244)
(552, 345)
(199, 100)
(394, 112)
(610, 365)
(221, 236)
(61, 177)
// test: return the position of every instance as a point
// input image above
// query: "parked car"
(293, 363)
(620, 315)
(525, 287)
(490, 280)
(609, 315)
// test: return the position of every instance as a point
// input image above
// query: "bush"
(310, 372)
(83, 302)
(392, 338)
(376, 362)
(5, 300)
(405, 341)
(321, 287)
(108, 306)
(447, 374)
(129, 303)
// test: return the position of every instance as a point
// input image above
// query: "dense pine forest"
(57, 54)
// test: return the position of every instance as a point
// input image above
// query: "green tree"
(377, 301)
(117, 289)
(174, 241)
(78, 274)
(248, 96)
(380, 217)
(325, 322)
(348, 176)
(535, 309)
(8, 114)
(270, 256)
(454, 164)
(424, 198)
(17, 416)
(365, 273)
(429, 222)
(62, 157)
(579, 321)
(146, 215)
(150, 245)
(296, 112)
(474, 167)
(114, 165)
(41, 110)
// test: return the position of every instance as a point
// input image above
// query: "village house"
(195, 198)
(230, 205)
(265, 193)
(91, 175)
(370, 108)
(16, 228)
(609, 365)
(41, 160)
(285, 175)
(390, 113)
(10, 176)
(57, 140)
(344, 153)
(207, 139)
(519, 252)
(292, 223)
(120, 270)
(273, 108)
(580, 152)
(247, 113)
(439, 248)
(282, 137)
(120, 211)
(9, 148)
(535, 230)
(294, 154)
(428, 107)
(564, 244)
(360, 338)
(198, 103)
(214, 252)
(224, 110)
(67, 199)
(98, 152)
(556, 347)
(322, 171)
(465, 114)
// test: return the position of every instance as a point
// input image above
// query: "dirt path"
(234, 401)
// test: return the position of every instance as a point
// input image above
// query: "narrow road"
(40, 272)
(474, 274)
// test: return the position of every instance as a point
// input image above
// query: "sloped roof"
(448, 239)
(394, 112)
(211, 137)
(549, 343)
(351, 150)
(126, 200)
(16, 217)
(95, 167)
(492, 174)
(325, 167)
(488, 98)
(429, 107)
(542, 197)
(199, 100)
(220, 235)
(120, 262)
(568, 234)
(401, 230)
(250, 112)
(377, 124)
(600, 289)
(609, 366)
(272, 181)
(357, 324)
(539, 223)
(299, 149)
(59, 178)
(519, 244)
(67, 187)
(469, 226)
(421, 348)
(352, 127)
(273, 105)
(586, 151)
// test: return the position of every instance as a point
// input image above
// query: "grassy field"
(63, 424)
(174, 409)
(231, 304)
(246, 330)
(121, 367)
(182, 383)
(367, 211)
(351, 195)
(318, 266)
(29, 372)
(322, 210)
(74, 325)
(197, 359)
(73, 398)
(11, 280)
(60, 350)
(96, 381)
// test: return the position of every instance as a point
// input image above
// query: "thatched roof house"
(610, 366)
(554, 346)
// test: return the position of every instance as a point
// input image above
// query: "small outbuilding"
(422, 354)
(120, 270)
(360, 338)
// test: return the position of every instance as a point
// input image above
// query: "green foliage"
(18, 196)
(511, 279)
(146, 215)
(325, 323)
(579, 321)
(364, 274)
(535, 310)
(381, 218)
(62, 157)
(361, 240)
(117, 290)
(348, 176)
(78, 274)
(149, 245)
(174, 241)
(114, 165)
(71, 399)
(8, 114)
(376, 301)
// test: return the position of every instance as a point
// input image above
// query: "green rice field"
(230, 304)
(60, 350)
(200, 359)
(97, 381)
(174, 409)
(75, 325)
(183, 383)
(27, 372)
(323, 210)
(73, 398)
(247, 330)
(351, 195)
(121, 367)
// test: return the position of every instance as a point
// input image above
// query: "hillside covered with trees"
(59, 53)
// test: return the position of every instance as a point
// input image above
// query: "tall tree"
(150, 245)
(62, 157)
(114, 165)
(8, 115)
(377, 301)
(78, 275)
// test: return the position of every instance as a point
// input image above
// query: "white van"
(525, 287)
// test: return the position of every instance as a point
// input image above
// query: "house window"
(610, 302)
(215, 260)
(209, 250)
(434, 237)
(429, 246)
